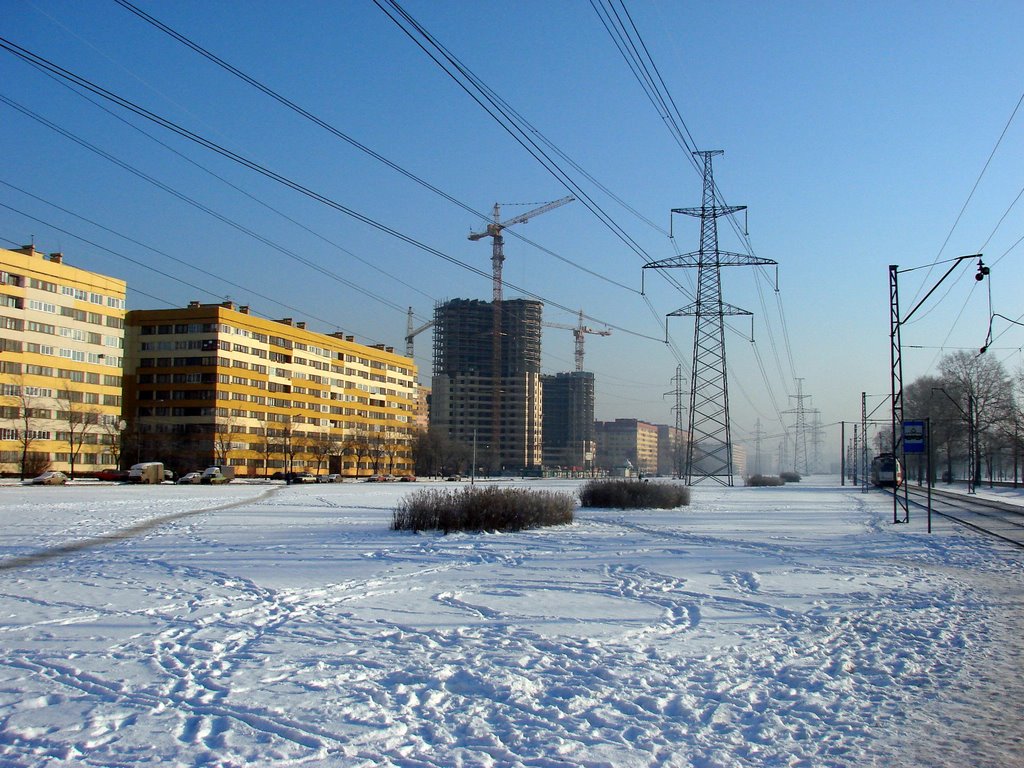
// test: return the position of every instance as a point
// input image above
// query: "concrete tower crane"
(495, 228)
(579, 332)
(411, 332)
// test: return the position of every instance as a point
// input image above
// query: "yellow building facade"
(212, 384)
(60, 365)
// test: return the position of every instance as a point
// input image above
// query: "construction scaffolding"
(494, 398)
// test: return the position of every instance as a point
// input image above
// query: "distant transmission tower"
(709, 450)
(758, 434)
(799, 430)
(817, 440)
(677, 447)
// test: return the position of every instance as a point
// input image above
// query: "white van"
(146, 472)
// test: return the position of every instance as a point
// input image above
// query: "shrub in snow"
(790, 477)
(481, 508)
(763, 480)
(633, 494)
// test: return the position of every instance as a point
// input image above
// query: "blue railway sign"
(914, 437)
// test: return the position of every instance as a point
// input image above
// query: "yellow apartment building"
(627, 442)
(212, 384)
(60, 365)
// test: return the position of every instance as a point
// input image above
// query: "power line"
(630, 43)
(46, 65)
(200, 206)
(283, 100)
(970, 195)
(504, 115)
(238, 189)
(183, 262)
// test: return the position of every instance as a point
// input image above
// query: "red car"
(113, 475)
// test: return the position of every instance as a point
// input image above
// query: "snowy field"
(288, 626)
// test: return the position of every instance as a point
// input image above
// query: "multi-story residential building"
(739, 460)
(627, 440)
(422, 412)
(212, 384)
(569, 420)
(486, 385)
(671, 451)
(60, 364)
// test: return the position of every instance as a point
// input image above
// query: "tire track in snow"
(52, 553)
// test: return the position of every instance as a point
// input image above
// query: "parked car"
(215, 476)
(376, 479)
(50, 477)
(407, 479)
(332, 478)
(294, 477)
(113, 475)
(190, 478)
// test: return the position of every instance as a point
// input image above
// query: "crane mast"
(494, 230)
(411, 332)
(579, 332)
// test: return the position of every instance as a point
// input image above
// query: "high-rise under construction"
(486, 382)
(569, 440)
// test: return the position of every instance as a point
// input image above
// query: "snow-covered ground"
(289, 626)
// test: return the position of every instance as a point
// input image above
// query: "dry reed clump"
(760, 481)
(481, 508)
(633, 494)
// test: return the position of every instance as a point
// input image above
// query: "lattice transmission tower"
(799, 429)
(678, 452)
(709, 449)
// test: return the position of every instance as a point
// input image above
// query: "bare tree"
(357, 445)
(321, 446)
(392, 449)
(267, 447)
(26, 416)
(79, 418)
(112, 428)
(988, 390)
(376, 443)
(434, 452)
(294, 443)
(225, 430)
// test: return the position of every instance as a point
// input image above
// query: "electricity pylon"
(709, 450)
(800, 430)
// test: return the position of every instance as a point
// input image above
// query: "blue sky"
(853, 131)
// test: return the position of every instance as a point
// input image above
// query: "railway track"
(1003, 520)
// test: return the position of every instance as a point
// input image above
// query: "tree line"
(972, 399)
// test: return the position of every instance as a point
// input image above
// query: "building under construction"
(486, 382)
(569, 420)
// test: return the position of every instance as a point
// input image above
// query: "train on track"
(886, 471)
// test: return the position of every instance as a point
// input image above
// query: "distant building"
(739, 461)
(422, 412)
(569, 440)
(211, 384)
(486, 387)
(671, 451)
(629, 440)
(60, 364)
